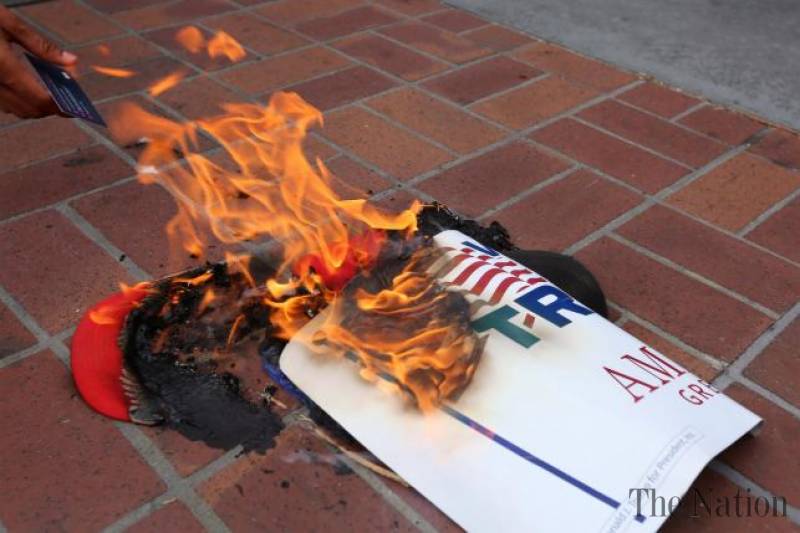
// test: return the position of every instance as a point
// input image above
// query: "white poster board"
(566, 416)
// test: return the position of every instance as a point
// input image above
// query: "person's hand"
(20, 92)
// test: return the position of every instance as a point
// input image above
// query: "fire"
(261, 187)
(410, 331)
(191, 38)
(220, 45)
(166, 83)
(223, 44)
(114, 72)
(109, 314)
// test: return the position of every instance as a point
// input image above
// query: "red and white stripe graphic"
(484, 275)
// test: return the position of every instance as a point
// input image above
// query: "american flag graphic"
(487, 277)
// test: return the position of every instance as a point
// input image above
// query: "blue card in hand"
(67, 94)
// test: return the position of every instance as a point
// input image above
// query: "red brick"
(39, 139)
(199, 98)
(171, 517)
(70, 21)
(442, 122)
(7, 119)
(57, 273)
(342, 87)
(659, 99)
(781, 146)
(728, 261)
(533, 103)
(778, 366)
(56, 179)
(292, 12)
(689, 362)
(576, 68)
(353, 180)
(115, 6)
(629, 163)
(391, 57)
(412, 7)
(695, 313)
(100, 86)
(779, 232)
(699, 513)
(14, 337)
(441, 43)
(469, 188)
(314, 147)
(166, 14)
(399, 200)
(736, 192)
(71, 469)
(498, 38)
(304, 492)
(117, 53)
(770, 457)
(656, 134)
(165, 37)
(256, 34)
(566, 211)
(482, 79)
(345, 23)
(275, 72)
(455, 20)
(723, 124)
(185, 455)
(396, 151)
(144, 242)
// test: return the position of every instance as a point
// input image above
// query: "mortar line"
(735, 372)
(155, 459)
(96, 236)
(676, 124)
(712, 361)
(533, 189)
(767, 394)
(403, 127)
(686, 112)
(737, 478)
(48, 158)
(389, 496)
(650, 200)
(519, 135)
(694, 275)
(65, 201)
(737, 366)
(766, 215)
(618, 137)
(17, 309)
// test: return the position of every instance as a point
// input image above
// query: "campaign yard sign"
(570, 423)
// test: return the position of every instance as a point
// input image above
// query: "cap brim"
(96, 357)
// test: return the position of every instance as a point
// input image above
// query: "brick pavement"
(688, 213)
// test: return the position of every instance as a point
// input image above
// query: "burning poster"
(567, 424)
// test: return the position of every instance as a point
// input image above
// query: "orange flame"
(109, 314)
(166, 83)
(411, 332)
(114, 72)
(220, 45)
(191, 39)
(223, 44)
(263, 187)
